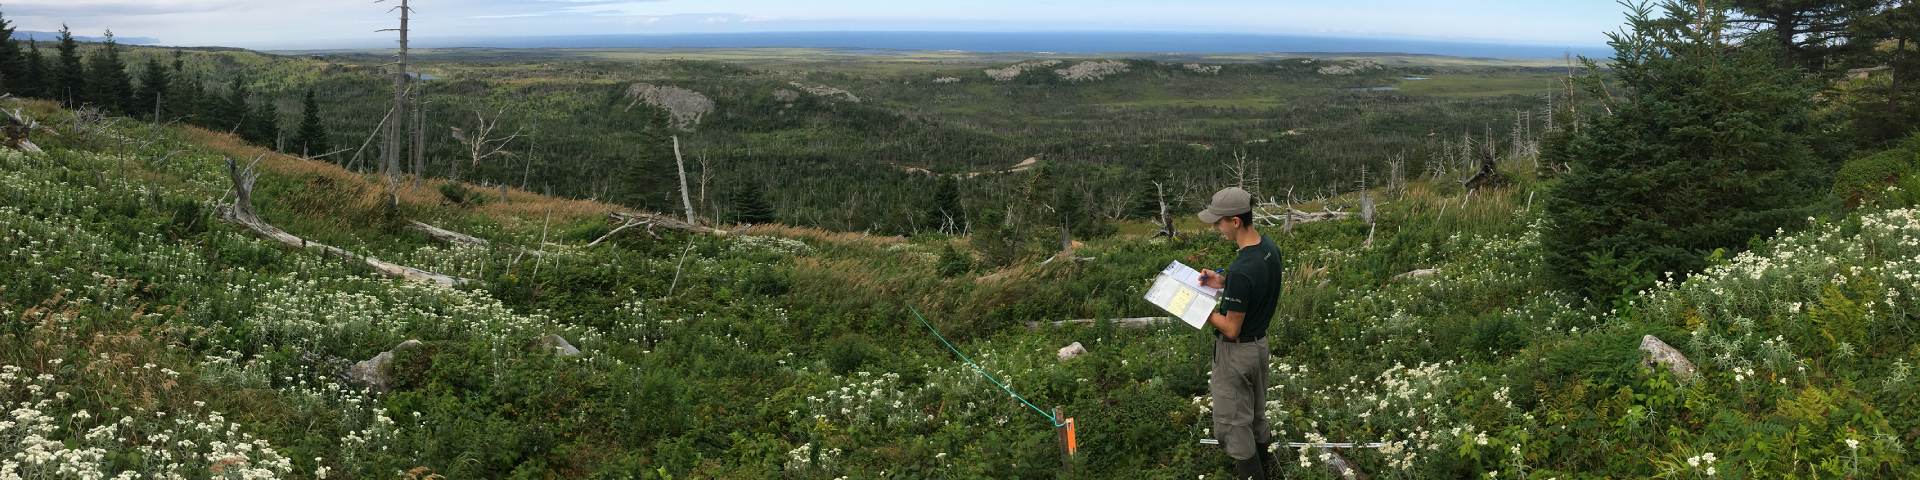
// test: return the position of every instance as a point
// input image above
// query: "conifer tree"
(262, 125)
(946, 215)
(1707, 147)
(33, 81)
(13, 71)
(107, 84)
(154, 82)
(231, 112)
(69, 77)
(1811, 34)
(311, 138)
(644, 179)
(750, 204)
(182, 100)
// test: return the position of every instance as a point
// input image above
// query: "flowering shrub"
(49, 432)
(151, 340)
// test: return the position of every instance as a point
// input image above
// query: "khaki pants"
(1239, 388)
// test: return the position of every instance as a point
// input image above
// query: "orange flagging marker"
(1072, 444)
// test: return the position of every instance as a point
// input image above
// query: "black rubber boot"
(1249, 469)
(1266, 458)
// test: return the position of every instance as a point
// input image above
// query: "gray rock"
(373, 371)
(1069, 352)
(559, 345)
(1659, 353)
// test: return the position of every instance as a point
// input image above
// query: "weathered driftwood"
(649, 220)
(241, 213)
(1488, 176)
(1136, 322)
(447, 236)
(1661, 354)
(16, 130)
(457, 238)
(1289, 216)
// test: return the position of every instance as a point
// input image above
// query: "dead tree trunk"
(1367, 215)
(1166, 216)
(447, 236)
(628, 220)
(1136, 322)
(480, 142)
(17, 129)
(685, 197)
(241, 213)
(418, 134)
(395, 142)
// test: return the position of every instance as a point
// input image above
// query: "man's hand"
(1212, 279)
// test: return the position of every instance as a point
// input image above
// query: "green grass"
(786, 352)
(1454, 85)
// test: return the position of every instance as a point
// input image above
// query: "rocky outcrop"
(1090, 71)
(558, 345)
(1073, 351)
(374, 372)
(1661, 354)
(685, 107)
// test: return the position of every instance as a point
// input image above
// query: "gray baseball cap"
(1226, 203)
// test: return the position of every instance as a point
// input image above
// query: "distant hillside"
(55, 36)
(1079, 43)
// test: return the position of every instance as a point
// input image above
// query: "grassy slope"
(725, 357)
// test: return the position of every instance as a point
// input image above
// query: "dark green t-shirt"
(1253, 286)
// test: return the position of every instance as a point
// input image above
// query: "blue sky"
(343, 23)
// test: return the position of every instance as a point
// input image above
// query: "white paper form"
(1177, 290)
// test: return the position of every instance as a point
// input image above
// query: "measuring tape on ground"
(1069, 443)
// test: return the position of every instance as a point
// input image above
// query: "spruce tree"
(33, 82)
(646, 178)
(231, 112)
(108, 86)
(69, 77)
(182, 100)
(1883, 113)
(1147, 203)
(262, 125)
(148, 97)
(945, 214)
(13, 71)
(750, 204)
(1707, 146)
(1811, 34)
(311, 138)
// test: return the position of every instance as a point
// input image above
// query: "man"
(1250, 287)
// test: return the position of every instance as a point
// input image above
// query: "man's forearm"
(1226, 325)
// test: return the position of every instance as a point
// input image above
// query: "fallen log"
(1289, 216)
(650, 221)
(444, 235)
(241, 213)
(1136, 322)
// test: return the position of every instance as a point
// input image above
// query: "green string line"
(982, 371)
